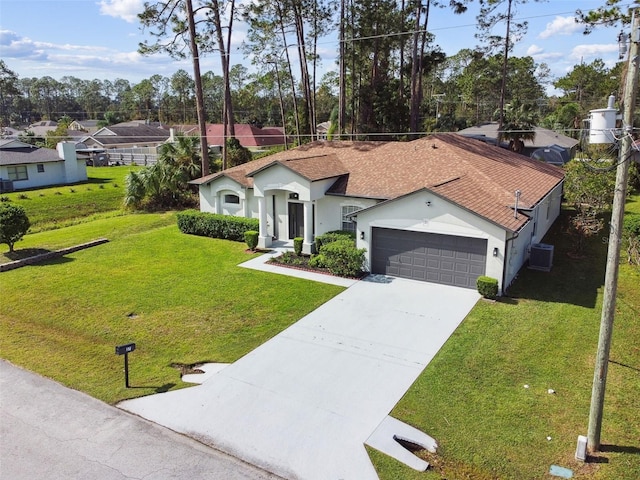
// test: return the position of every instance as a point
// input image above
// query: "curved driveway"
(303, 404)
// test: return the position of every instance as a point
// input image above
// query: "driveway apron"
(303, 404)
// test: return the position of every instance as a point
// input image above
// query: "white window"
(230, 198)
(348, 224)
(18, 172)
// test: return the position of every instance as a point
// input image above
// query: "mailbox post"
(125, 350)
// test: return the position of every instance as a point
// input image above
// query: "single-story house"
(322, 130)
(88, 126)
(40, 129)
(443, 208)
(544, 138)
(127, 136)
(249, 136)
(24, 166)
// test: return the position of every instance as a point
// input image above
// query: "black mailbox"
(128, 348)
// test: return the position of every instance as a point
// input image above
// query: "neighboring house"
(443, 208)
(119, 136)
(544, 138)
(25, 166)
(87, 126)
(322, 130)
(249, 136)
(135, 144)
(40, 129)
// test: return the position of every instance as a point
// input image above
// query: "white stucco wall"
(74, 170)
(280, 178)
(329, 211)
(212, 197)
(414, 213)
(542, 217)
(53, 175)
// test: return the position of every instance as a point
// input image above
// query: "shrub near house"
(212, 225)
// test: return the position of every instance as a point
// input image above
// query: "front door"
(296, 220)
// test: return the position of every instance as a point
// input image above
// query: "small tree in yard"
(590, 190)
(14, 224)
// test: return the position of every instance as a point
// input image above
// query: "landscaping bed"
(303, 262)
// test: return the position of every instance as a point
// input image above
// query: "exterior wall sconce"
(362, 235)
(495, 251)
(428, 202)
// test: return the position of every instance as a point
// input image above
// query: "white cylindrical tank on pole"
(602, 123)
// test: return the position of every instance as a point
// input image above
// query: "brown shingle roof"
(247, 135)
(478, 177)
(313, 168)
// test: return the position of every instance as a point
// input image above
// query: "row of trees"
(392, 79)
(462, 90)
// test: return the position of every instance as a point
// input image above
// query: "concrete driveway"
(303, 404)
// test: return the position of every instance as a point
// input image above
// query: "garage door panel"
(437, 258)
(447, 266)
(462, 268)
(420, 262)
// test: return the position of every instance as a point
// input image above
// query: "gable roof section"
(312, 168)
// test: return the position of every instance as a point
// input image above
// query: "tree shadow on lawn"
(573, 279)
(25, 253)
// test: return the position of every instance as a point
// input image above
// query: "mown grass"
(111, 225)
(182, 299)
(472, 398)
(56, 207)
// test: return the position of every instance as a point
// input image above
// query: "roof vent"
(541, 257)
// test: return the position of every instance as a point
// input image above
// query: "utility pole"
(615, 237)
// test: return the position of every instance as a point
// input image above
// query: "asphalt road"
(48, 431)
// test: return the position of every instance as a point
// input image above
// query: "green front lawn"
(472, 396)
(182, 299)
(56, 207)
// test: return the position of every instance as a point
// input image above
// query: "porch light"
(362, 235)
(495, 251)
(623, 44)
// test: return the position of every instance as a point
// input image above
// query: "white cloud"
(596, 50)
(16, 46)
(561, 26)
(534, 50)
(127, 10)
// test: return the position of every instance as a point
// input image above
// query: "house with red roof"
(249, 136)
(443, 208)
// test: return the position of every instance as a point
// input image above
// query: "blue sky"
(99, 39)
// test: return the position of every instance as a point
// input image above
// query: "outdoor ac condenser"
(541, 257)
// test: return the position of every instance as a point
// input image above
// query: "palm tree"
(519, 124)
(165, 184)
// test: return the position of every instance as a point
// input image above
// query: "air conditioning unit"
(541, 257)
(6, 186)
